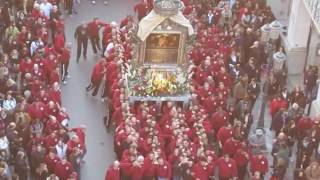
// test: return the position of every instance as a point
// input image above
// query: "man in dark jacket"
(82, 35)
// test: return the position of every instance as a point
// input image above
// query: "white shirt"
(34, 46)
(246, 19)
(232, 2)
(234, 58)
(110, 46)
(4, 143)
(210, 18)
(9, 104)
(61, 151)
(46, 8)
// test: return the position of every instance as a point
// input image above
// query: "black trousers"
(82, 43)
(69, 6)
(242, 170)
(64, 70)
(108, 120)
(95, 86)
(95, 43)
(224, 178)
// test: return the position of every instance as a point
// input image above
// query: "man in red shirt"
(64, 60)
(80, 132)
(54, 76)
(200, 171)
(219, 119)
(25, 66)
(137, 169)
(63, 169)
(96, 77)
(303, 125)
(163, 169)
(126, 20)
(259, 163)
(242, 158)
(51, 140)
(36, 110)
(55, 93)
(75, 142)
(93, 29)
(231, 146)
(224, 134)
(113, 172)
(150, 166)
(52, 125)
(141, 9)
(227, 168)
(59, 41)
(51, 160)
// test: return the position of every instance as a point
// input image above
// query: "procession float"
(160, 70)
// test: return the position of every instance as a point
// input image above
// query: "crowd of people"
(211, 138)
(35, 139)
(214, 134)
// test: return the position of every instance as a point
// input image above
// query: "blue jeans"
(162, 178)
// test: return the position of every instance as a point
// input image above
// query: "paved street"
(84, 109)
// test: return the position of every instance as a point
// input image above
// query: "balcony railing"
(313, 7)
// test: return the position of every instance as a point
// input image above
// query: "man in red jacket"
(59, 41)
(54, 76)
(80, 132)
(231, 146)
(25, 66)
(259, 163)
(150, 167)
(137, 169)
(93, 29)
(55, 93)
(224, 134)
(52, 125)
(141, 9)
(163, 169)
(75, 142)
(199, 170)
(51, 140)
(51, 160)
(65, 60)
(96, 77)
(126, 20)
(227, 168)
(242, 158)
(219, 119)
(113, 172)
(303, 125)
(63, 169)
(36, 110)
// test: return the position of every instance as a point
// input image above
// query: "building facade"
(300, 37)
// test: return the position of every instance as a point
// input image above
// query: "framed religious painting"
(163, 48)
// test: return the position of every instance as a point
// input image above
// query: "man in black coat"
(82, 35)
(279, 121)
(253, 90)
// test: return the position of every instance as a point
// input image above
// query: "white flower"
(181, 79)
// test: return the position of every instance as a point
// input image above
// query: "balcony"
(313, 7)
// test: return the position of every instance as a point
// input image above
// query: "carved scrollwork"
(167, 7)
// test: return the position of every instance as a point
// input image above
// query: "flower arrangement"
(144, 81)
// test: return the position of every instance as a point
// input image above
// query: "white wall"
(299, 25)
(281, 9)
(314, 42)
